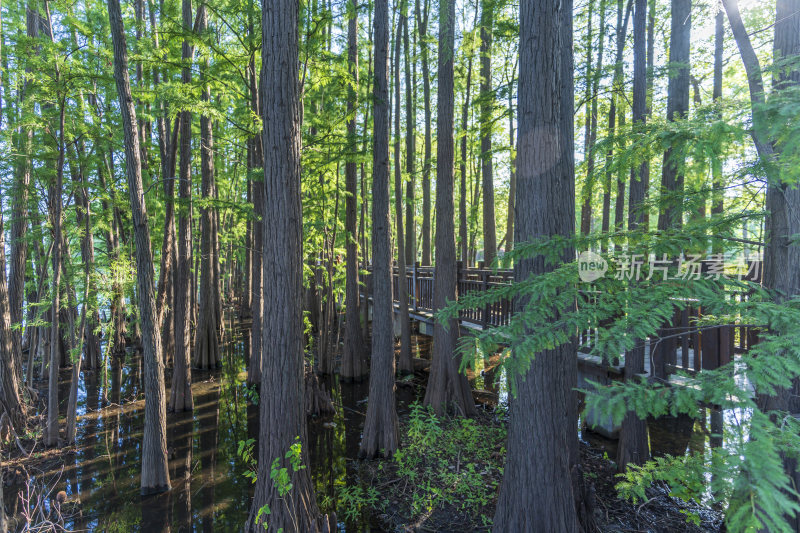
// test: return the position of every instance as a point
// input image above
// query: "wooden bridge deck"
(695, 350)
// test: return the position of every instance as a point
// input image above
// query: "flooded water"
(209, 489)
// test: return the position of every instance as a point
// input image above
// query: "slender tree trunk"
(180, 398)
(542, 441)
(623, 15)
(206, 353)
(281, 405)
(487, 108)
(671, 197)
(353, 366)
(411, 147)
(404, 363)
(587, 193)
(50, 437)
(512, 181)
(422, 24)
(155, 475)
(462, 200)
(381, 426)
(717, 194)
(257, 304)
(633, 444)
(448, 389)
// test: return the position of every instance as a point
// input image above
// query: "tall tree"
(353, 366)
(448, 389)
(422, 23)
(281, 404)
(633, 445)
(404, 363)
(781, 254)
(487, 124)
(462, 198)
(206, 353)
(672, 172)
(10, 401)
(411, 145)
(180, 398)
(542, 441)
(155, 474)
(381, 427)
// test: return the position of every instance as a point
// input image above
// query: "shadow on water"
(209, 489)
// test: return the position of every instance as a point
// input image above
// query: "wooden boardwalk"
(695, 350)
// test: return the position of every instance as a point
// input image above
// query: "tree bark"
(353, 367)
(633, 444)
(462, 199)
(410, 242)
(487, 108)
(281, 405)
(155, 475)
(381, 426)
(448, 389)
(542, 440)
(206, 353)
(404, 363)
(671, 197)
(422, 24)
(180, 398)
(50, 437)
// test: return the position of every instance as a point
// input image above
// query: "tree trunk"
(487, 108)
(422, 24)
(155, 475)
(281, 406)
(718, 193)
(512, 181)
(616, 84)
(50, 436)
(448, 389)
(404, 363)
(180, 398)
(671, 197)
(542, 440)
(353, 366)
(206, 354)
(633, 444)
(462, 200)
(381, 426)
(257, 303)
(411, 147)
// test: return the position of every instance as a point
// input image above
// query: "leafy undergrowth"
(444, 477)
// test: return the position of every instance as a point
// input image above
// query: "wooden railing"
(704, 350)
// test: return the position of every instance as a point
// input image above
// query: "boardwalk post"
(414, 283)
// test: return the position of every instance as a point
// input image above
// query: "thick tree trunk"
(718, 193)
(353, 366)
(155, 475)
(180, 398)
(487, 108)
(282, 417)
(404, 363)
(206, 353)
(10, 400)
(633, 444)
(542, 439)
(381, 427)
(422, 24)
(448, 389)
